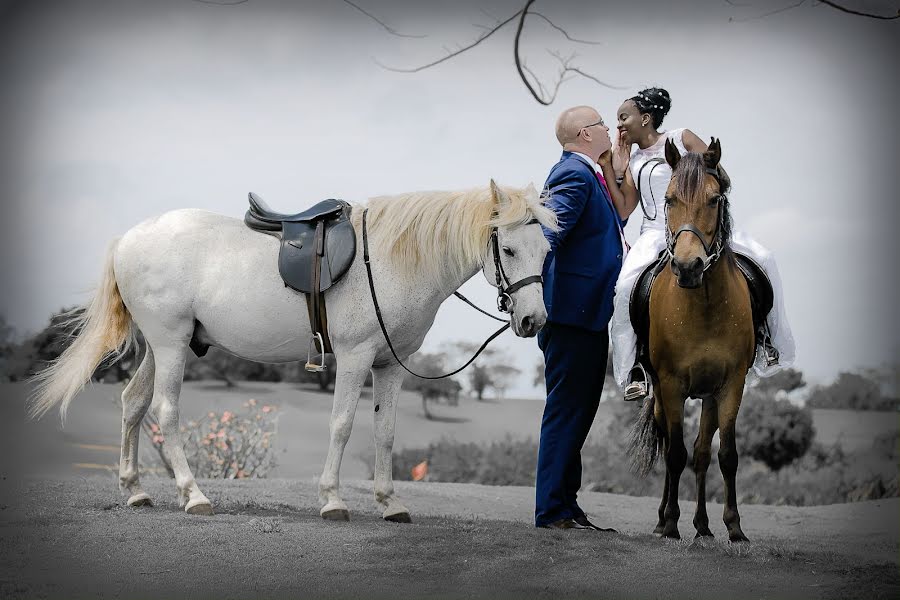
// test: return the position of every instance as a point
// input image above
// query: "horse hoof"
(738, 536)
(140, 499)
(201, 508)
(671, 534)
(658, 529)
(400, 517)
(704, 534)
(336, 514)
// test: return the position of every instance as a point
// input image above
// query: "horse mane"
(690, 177)
(446, 233)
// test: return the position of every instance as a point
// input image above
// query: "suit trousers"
(575, 368)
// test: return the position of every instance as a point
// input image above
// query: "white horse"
(191, 273)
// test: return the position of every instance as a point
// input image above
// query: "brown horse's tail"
(644, 440)
(103, 332)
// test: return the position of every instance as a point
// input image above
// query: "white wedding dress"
(650, 170)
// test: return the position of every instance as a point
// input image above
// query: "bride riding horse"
(701, 339)
(191, 278)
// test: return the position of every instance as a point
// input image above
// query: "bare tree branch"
(222, 2)
(456, 53)
(387, 27)
(850, 11)
(768, 14)
(564, 32)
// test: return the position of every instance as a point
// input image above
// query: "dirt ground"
(76, 538)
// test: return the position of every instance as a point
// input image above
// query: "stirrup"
(772, 355)
(638, 390)
(310, 365)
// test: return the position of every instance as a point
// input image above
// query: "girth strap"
(315, 300)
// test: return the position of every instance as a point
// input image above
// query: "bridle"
(504, 296)
(713, 250)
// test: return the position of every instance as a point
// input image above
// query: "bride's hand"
(621, 155)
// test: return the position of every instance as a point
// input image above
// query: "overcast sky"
(112, 112)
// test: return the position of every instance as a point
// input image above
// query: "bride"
(640, 177)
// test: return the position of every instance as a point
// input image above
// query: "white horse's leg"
(166, 390)
(350, 378)
(386, 382)
(135, 400)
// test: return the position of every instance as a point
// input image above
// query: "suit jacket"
(586, 253)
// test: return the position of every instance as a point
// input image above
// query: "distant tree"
(431, 391)
(502, 376)
(7, 346)
(852, 391)
(787, 380)
(773, 431)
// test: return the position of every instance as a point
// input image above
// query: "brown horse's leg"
(676, 454)
(661, 523)
(709, 422)
(728, 458)
(661, 427)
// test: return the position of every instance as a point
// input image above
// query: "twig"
(850, 11)
(564, 32)
(387, 27)
(768, 14)
(456, 53)
(233, 3)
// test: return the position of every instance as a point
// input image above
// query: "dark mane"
(689, 178)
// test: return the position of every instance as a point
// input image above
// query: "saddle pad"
(762, 296)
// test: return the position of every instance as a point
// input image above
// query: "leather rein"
(713, 250)
(504, 296)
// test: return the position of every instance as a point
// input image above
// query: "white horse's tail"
(103, 330)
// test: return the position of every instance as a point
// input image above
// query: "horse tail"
(645, 440)
(103, 331)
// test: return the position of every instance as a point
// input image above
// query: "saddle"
(762, 298)
(317, 248)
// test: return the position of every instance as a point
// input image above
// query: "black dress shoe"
(565, 524)
(584, 522)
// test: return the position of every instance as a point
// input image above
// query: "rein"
(718, 243)
(504, 297)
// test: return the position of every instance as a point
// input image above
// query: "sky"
(113, 112)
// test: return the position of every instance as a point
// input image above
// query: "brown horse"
(701, 340)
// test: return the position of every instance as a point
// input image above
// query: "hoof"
(659, 529)
(671, 533)
(400, 517)
(202, 508)
(738, 536)
(336, 514)
(140, 499)
(703, 533)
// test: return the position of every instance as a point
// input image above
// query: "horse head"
(515, 260)
(696, 205)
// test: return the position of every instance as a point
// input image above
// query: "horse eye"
(669, 200)
(508, 252)
(714, 200)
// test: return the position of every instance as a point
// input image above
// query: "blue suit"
(579, 281)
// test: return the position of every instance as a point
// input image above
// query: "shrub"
(773, 431)
(230, 445)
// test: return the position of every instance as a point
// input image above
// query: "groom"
(579, 280)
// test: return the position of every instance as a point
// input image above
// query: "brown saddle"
(317, 248)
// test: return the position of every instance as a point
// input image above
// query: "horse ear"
(713, 154)
(673, 155)
(530, 190)
(498, 194)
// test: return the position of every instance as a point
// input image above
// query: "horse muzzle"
(688, 274)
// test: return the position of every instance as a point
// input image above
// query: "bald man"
(579, 280)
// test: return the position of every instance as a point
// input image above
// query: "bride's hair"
(655, 102)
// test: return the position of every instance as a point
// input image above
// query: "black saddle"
(317, 248)
(761, 297)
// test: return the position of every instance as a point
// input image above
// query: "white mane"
(447, 233)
